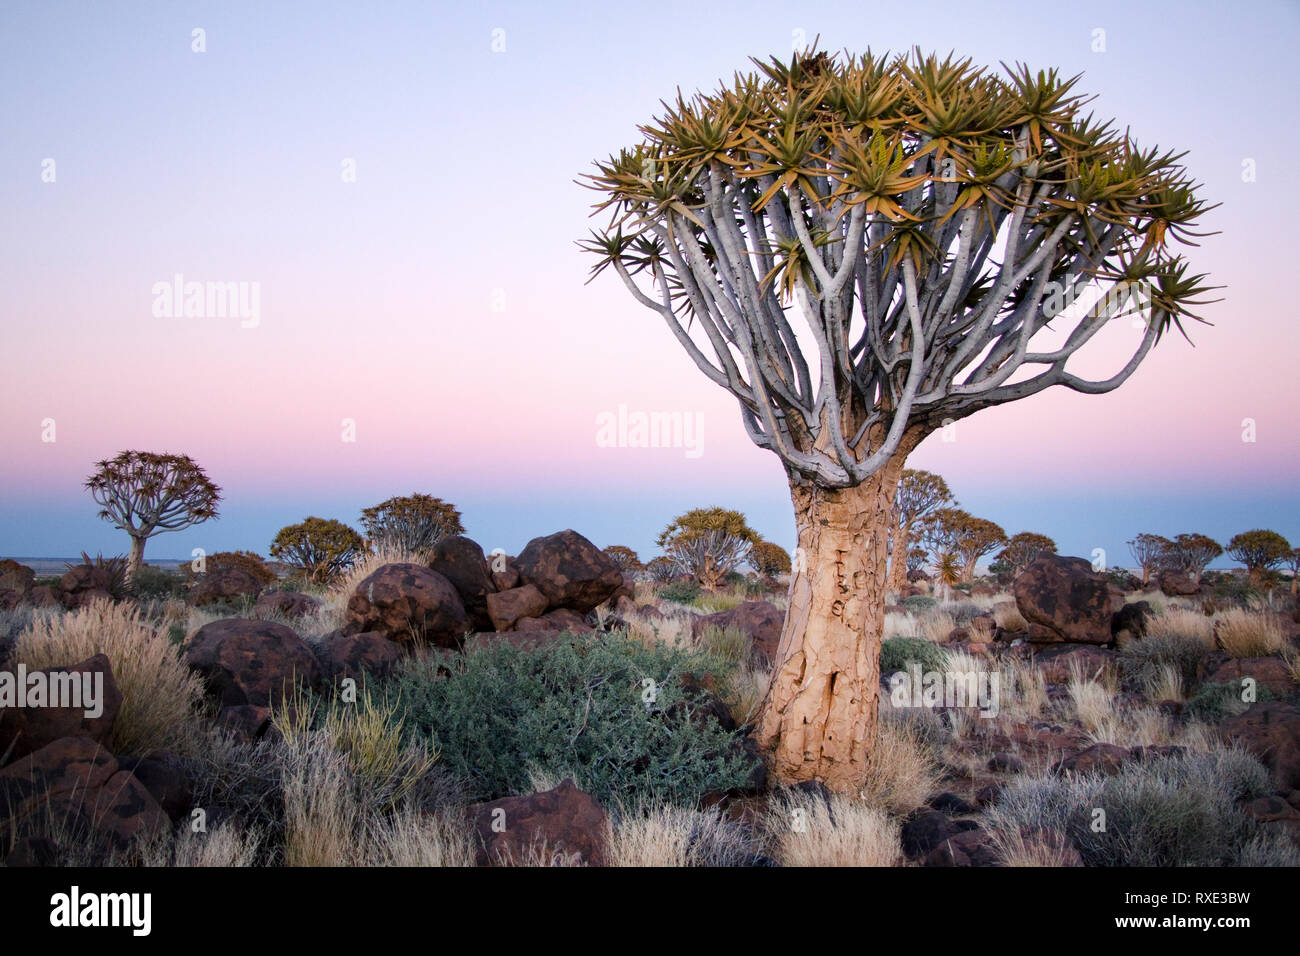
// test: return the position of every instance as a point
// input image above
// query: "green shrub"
(1215, 702)
(573, 707)
(897, 652)
(151, 582)
(1165, 811)
(682, 592)
(919, 602)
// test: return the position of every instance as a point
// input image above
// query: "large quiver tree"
(860, 249)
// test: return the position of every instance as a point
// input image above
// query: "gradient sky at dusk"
(439, 300)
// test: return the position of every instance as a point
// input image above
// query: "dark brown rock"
(1177, 583)
(504, 608)
(1064, 599)
(462, 562)
(1271, 731)
(30, 728)
(16, 577)
(247, 661)
(1105, 759)
(761, 621)
(163, 775)
(247, 722)
(563, 821)
(287, 603)
(356, 656)
(406, 603)
(224, 584)
(76, 784)
(1267, 672)
(571, 571)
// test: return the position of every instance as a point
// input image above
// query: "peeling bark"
(819, 718)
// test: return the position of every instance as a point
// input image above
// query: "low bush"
(620, 717)
(897, 652)
(681, 592)
(1165, 811)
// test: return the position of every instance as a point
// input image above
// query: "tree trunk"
(819, 718)
(135, 558)
(898, 559)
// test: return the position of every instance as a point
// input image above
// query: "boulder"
(406, 603)
(967, 848)
(165, 778)
(16, 577)
(80, 787)
(1063, 599)
(1177, 583)
(1132, 618)
(1271, 731)
(356, 656)
(287, 603)
(504, 608)
(44, 595)
(83, 584)
(927, 829)
(1105, 759)
(760, 621)
(1269, 672)
(224, 584)
(247, 661)
(564, 824)
(505, 573)
(462, 562)
(30, 728)
(571, 571)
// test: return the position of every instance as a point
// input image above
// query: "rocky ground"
(453, 708)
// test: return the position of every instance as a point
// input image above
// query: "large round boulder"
(224, 584)
(1063, 599)
(406, 603)
(760, 621)
(462, 562)
(81, 700)
(563, 826)
(249, 662)
(571, 571)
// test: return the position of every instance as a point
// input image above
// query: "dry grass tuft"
(904, 769)
(1243, 633)
(807, 831)
(161, 697)
(1009, 618)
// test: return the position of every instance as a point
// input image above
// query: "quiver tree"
(318, 547)
(918, 493)
(1149, 551)
(1022, 548)
(1190, 553)
(625, 558)
(860, 249)
(769, 559)
(708, 544)
(977, 537)
(916, 557)
(410, 523)
(1292, 562)
(661, 569)
(146, 494)
(1258, 550)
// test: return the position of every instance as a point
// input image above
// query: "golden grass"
(1165, 683)
(1182, 624)
(411, 838)
(1008, 617)
(667, 835)
(1017, 848)
(226, 846)
(936, 626)
(904, 769)
(746, 689)
(161, 696)
(1244, 633)
(806, 831)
